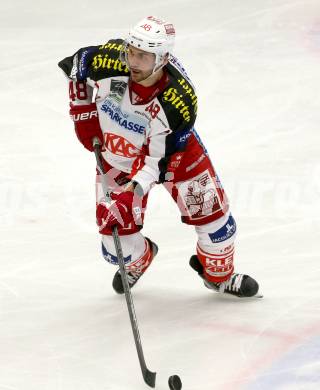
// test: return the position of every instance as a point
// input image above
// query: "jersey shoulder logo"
(179, 99)
(117, 90)
(106, 60)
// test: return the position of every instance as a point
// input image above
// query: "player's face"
(141, 63)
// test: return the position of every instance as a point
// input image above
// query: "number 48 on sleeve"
(78, 90)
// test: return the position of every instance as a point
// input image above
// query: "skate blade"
(258, 296)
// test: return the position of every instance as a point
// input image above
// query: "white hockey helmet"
(153, 35)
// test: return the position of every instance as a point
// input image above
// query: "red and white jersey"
(146, 139)
(134, 134)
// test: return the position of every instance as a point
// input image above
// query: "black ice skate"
(133, 277)
(239, 285)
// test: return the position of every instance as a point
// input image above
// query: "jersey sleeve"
(179, 101)
(77, 66)
(94, 63)
(90, 64)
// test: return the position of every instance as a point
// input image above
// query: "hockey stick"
(148, 376)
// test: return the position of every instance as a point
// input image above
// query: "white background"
(256, 67)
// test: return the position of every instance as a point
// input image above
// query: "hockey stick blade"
(150, 378)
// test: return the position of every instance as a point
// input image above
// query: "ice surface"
(256, 68)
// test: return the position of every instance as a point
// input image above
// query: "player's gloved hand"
(118, 213)
(86, 124)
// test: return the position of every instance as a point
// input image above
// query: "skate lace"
(233, 284)
(133, 277)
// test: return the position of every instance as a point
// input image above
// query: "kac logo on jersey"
(120, 146)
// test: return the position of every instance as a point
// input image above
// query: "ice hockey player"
(135, 96)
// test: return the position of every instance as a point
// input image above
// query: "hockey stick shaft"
(148, 376)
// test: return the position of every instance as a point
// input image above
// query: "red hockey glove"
(119, 213)
(86, 124)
